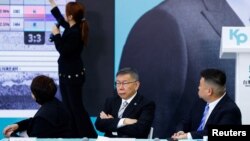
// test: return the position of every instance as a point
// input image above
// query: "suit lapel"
(216, 109)
(132, 106)
(117, 105)
(218, 13)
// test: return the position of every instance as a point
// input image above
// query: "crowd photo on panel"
(170, 84)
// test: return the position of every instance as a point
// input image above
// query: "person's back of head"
(215, 78)
(77, 11)
(43, 88)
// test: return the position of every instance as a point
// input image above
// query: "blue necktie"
(203, 120)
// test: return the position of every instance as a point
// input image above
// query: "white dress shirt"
(211, 108)
(120, 123)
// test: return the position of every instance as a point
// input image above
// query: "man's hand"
(179, 135)
(129, 121)
(103, 115)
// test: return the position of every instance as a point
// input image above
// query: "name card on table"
(21, 139)
(101, 138)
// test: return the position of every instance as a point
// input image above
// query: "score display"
(25, 49)
(34, 37)
(29, 16)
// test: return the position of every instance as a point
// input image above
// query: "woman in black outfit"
(71, 70)
(52, 118)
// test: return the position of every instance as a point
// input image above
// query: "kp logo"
(240, 37)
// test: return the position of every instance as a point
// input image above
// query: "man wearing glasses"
(127, 114)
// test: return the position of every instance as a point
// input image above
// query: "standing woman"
(70, 44)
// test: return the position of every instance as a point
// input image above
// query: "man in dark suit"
(131, 120)
(170, 45)
(220, 109)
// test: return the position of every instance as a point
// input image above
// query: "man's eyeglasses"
(118, 84)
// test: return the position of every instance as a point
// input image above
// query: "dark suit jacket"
(169, 46)
(139, 108)
(226, 112)
(51, 121)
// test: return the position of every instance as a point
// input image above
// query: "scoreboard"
(25, 49)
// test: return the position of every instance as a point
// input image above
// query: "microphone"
(52, 37)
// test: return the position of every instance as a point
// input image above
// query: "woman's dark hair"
(77, 11)
(43, 88)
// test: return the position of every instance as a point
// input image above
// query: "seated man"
(127, 114)
(213, 108)
(51, 120)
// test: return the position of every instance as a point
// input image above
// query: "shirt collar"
(130, 99)
(214, 103)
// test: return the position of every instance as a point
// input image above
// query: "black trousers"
(71, 92)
